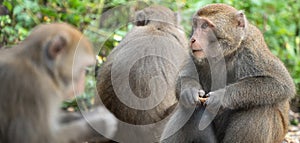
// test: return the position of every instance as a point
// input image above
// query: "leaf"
(7, 5)
(18, 9)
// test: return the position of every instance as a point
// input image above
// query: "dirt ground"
(293, 135)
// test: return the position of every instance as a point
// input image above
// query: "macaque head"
(63, 52)
(217, 29)
(156, 15)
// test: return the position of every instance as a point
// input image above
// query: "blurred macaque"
(35, 76)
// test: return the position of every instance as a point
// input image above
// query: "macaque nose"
(193, 40)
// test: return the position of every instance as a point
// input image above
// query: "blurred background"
(106, 22)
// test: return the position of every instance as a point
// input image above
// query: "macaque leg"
(190, 132)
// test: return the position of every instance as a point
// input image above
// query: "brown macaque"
(252, 99)
(137, 82)
(35, 76)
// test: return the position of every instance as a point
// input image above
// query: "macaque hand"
(202, 97)
(189, 97)
(214, 100)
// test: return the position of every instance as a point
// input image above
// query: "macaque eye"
(204, 25)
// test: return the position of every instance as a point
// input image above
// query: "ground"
(293, 135)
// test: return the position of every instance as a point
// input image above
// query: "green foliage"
(295, 122)
(278, 21)
(25, 14)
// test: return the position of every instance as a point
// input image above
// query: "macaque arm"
(70, 116)
(188, 78)
(85, 128)
(256, 91)
(75, 130)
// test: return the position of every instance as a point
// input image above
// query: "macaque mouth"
(197, 50)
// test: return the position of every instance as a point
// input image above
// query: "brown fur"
(258, 87)
(35, 76)
(157, 29)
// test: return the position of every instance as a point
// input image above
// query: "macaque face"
(79, 76)
(78, 84)
(203, 42)
(79, 81)
(65, 54)
(82, 61)
(81, 58)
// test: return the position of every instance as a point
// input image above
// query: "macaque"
(247, 89)
(137, 82)
(35, 76)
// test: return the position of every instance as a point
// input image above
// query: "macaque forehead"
(80, 42)
(46, 32)
(200, 21)
(217, 13)
(85, 51)
(76, 40)
(213, 9)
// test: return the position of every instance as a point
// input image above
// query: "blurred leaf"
(18, 9)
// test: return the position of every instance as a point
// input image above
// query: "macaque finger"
(201, 93)
(207, 95)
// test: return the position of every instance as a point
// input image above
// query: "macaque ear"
(241, 19)
(141, 18)
(55, 46)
